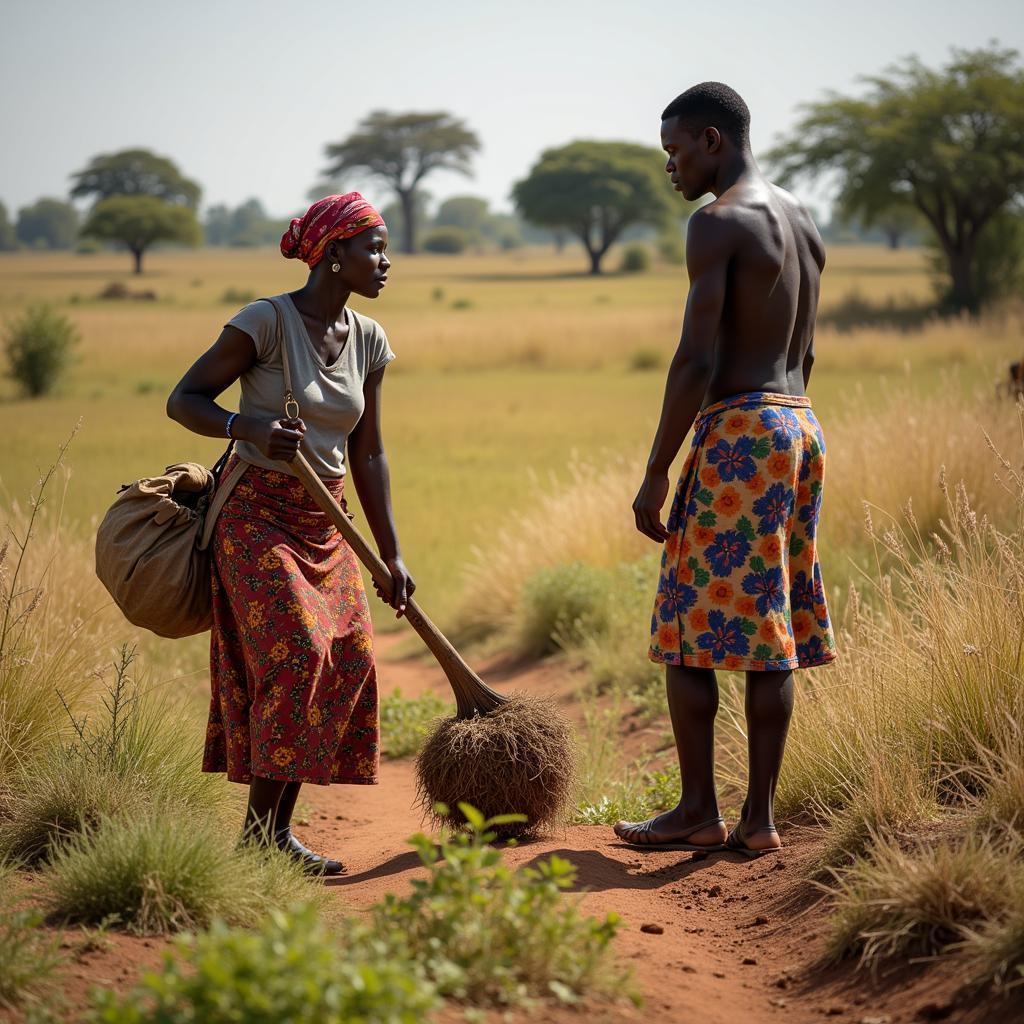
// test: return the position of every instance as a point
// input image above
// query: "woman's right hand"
(277, 439)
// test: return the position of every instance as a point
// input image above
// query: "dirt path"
(731, 940)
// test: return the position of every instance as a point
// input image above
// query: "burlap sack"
(151, 548)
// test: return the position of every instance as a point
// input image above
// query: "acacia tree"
(133, 172)
(596, 190)
(136, 222)
(949, 141)
(402, 149)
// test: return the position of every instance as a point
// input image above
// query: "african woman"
(294, 689)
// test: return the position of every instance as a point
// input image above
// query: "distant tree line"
(927, 154)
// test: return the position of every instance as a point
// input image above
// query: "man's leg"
(769, 707)
(693, 704)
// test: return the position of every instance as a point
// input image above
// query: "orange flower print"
(770, 547)
(788, 646)
(668, 637)
(778, 465)
(704, 535)
(736, 424)
(255, 616)
(699, 619)
(728, 503)
(684, 547)
(802, 625)
(709, 476)
(746, 606)
(279, 651)
(672, 546)
(283, 756)
(685, 573)
(720, 592)
(756, 483)
(733, 662)
(314, 715)
(768, 632)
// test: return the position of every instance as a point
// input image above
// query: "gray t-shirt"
(330, 397)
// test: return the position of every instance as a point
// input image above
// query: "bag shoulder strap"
(291, 406)
(218, 501)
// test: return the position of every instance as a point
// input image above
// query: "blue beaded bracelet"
(231, 419)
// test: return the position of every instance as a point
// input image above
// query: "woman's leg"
(285, 809)
(261, 813)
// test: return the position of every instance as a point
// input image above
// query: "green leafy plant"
(293, 968)
(39, 347)
(488, 934)
(636, 259)
(28, 958)
(405, 722)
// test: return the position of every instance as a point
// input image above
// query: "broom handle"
(455, 668)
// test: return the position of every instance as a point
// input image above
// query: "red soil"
(733, 940)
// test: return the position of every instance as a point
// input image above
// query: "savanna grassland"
(517, 419)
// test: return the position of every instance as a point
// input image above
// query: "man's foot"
(753, 842)
(668, 832)
(312, 863)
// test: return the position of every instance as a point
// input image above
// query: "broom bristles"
(518, 758)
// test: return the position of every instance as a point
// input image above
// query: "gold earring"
(335, 267)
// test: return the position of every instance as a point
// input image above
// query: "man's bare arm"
(709, 244)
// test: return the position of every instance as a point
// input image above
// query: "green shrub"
(293, 970)
(487, 934)
(28, 957)
(636, 259)
(237, 296)
(672, 249)
(559, 604)
(167, 869)
(646, 359)
(448, 241)
(131, 756)
(39, 346)
(405, 723)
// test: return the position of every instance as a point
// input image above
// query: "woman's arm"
(368, 465)
(192, 402)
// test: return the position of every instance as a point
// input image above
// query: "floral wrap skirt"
(294, 688)
(740, 584)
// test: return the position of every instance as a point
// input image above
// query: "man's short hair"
(712, 105)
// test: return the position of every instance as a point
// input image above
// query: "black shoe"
(311, 862)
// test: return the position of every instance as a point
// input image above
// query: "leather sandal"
(312, 863)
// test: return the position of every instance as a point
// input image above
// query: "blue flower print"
(733, 461)
(801, 593)
(677, 597)
(811, 652)
(809, 514)
(724, 637)
(784, 425)
(767, 588)
(774, 507)
(728, 551)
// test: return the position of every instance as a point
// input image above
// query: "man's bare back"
(771, 292)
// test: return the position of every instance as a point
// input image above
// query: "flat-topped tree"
(596, 190)
(135, 172)
(948, 141)
(402, 149)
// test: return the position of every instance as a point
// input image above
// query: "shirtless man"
(740, 586)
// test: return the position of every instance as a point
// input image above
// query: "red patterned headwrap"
(327, 220)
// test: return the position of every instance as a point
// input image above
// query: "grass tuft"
(405, 723)
(168, 870)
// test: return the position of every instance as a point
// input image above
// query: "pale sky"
(243, 94)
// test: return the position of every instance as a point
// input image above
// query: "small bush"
(559, 604)
(28, 959)
(437, 294)
(237, 296)
(88, 247)
(636, 259)
(39, 346)
(646, 359)
(405, 723)
(168, 869)
(448, 241)
(292, 969)
(462, 304)
(488, 934)
(672, 249)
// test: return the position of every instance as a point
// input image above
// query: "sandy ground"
(710, 938)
